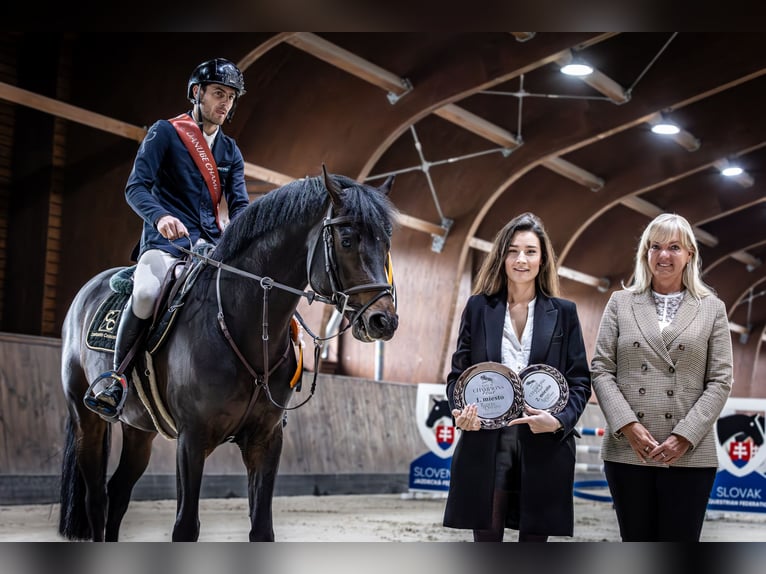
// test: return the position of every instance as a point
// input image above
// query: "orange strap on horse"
(297, 342)
(195, 143)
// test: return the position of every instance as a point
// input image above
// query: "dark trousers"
(507, 480)
(657, 504)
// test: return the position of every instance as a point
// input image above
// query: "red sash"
(195, 143)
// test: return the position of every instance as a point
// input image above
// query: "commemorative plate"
(495, 389)
(544, 388)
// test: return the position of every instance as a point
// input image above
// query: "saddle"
(102, 331)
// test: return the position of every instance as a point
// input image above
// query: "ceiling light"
(661, 125)
(599, 81)
(735, 172)
(666, 128)
(577, 69)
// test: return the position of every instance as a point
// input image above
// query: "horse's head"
(438, 411)
(350, 261)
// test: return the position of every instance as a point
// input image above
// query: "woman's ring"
(663, 454)
(646, 449)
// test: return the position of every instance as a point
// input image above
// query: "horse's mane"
(305, 200)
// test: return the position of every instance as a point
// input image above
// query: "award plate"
(496, 391)
(544, 388)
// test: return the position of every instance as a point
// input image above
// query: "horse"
(224, 371)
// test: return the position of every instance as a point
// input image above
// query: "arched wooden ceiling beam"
(69, 112)
(753, 316)
(728, 278)
(756, 280)
(716, 259)
(734, 237)
(438, 92)
(251, 57)
(728, 212)
(350, 62)
(386, 80)
(107, 124)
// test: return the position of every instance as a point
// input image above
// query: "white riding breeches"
(152, 267)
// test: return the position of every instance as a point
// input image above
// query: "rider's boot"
(106, 402)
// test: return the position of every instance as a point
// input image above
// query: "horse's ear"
(385, 189)
(332, 188)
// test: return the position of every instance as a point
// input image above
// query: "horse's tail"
(73, 515)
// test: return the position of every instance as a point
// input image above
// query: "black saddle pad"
(102, 331)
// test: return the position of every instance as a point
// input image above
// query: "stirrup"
(103, 381)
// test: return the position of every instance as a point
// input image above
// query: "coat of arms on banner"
(740, 482)
(741, 435)
(434, 420)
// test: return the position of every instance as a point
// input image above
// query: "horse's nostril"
(382, 322)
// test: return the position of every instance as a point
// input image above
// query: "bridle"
(339, 298)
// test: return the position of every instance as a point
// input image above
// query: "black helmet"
(216, 71)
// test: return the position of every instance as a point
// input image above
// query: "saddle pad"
(102, 331)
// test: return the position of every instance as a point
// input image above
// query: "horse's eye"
(347, 238)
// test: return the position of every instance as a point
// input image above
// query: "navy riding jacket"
(166, 181)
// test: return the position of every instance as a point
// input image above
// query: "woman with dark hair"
(662, 371)
(519, 476)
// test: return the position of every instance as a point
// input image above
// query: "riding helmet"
(216, 71)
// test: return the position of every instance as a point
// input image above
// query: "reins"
(339, 299)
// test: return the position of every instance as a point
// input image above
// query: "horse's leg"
(136, 451)
(190, 462)
(261, 457)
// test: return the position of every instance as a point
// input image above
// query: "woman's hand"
(670, 450)
(538, 421)
(467, 419)
(641, 441)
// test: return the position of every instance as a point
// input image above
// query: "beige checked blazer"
(675, 381)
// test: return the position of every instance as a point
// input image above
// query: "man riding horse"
(182, 169)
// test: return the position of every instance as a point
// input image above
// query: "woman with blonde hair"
(519, 476)
(662, 371)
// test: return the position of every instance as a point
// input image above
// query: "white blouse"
(667, 307)
(515, 353)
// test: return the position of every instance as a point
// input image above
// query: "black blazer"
(544, 505)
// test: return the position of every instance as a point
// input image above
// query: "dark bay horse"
(328, 232)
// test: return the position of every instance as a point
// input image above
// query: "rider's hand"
(171, 227)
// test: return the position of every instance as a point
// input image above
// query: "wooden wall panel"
(32, 406)
(351, 425)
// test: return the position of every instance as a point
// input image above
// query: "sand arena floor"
(353, 518)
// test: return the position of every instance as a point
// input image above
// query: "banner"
(431, 471)
(740, 484)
